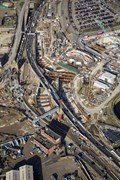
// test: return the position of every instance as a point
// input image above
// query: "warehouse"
(45, 145)
(108, 77)
(100, 85)
(51, 135)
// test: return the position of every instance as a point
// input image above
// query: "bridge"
(46, 114)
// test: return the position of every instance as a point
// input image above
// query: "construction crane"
(60, 101)
(60, 110)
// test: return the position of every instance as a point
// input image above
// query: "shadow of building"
(35, 161)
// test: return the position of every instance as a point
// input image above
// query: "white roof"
(107, 75)
(100, 85)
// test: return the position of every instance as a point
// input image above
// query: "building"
(7, 4)
(51, 135)
(108, 77)
(47, 140)
(100, 85)
(45, 145)
(1, 21)
(114, 67)
(12, 175)
(26, 172)
(32, 5)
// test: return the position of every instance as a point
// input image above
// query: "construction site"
(59, 101)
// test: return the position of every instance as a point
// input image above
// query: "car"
(54, 176)
(39, 151)
(31, 152)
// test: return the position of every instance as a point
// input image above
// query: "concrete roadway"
(18, 34)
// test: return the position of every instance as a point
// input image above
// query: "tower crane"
(60, 101)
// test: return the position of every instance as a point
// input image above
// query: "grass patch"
(69, 67)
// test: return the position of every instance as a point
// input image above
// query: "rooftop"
(100, 85)
(7, 12)
(44, 141)
(107, 75)
(51, 133)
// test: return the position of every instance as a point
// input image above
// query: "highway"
(18, 34)
(56, 97)
(19, 96)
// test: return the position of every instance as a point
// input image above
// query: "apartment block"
(12, 175)
(26, 172)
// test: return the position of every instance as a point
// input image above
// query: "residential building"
(12, 175)
(26, 172)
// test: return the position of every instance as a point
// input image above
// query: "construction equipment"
(60, 101)
(60, 111)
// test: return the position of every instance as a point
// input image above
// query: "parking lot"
(90, 14)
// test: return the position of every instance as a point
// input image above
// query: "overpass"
(47, 113)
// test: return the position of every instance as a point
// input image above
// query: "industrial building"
(45, 145)
(47, 140)
(100, 85)
(108, 77)
(113, 66)
(24, 173)
(51, 135)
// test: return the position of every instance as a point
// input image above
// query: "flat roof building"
(26, 172)
(100, 85)
(51, 135)
(108, 77)
(12, 175)
(44, 144)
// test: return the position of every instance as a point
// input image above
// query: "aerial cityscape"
(59, 89)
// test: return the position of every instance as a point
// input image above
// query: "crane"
(60, 110)
(60, 101)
